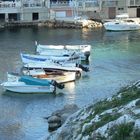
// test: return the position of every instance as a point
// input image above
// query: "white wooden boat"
(28, 84)
(57, 66)
(24, 85)
(30, 58)
(58, 76)
(122, 23)
(82, 50)
(60, 53)
(21, 87)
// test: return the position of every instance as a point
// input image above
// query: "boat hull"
(50, 66)
(20, 87)
(65, 78)
(28, 58)
(60, 53)
(58, 76)
(82, 50)
(116, 26)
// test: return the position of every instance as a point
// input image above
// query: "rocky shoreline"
(55, 24)
(114, 118)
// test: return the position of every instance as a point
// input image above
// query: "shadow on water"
(85, 76)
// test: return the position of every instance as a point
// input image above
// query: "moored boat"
(122, 23)
(21, 87)
(82, 50)
(31, 58)
(28, 84)
(57, 66)
(58, 76)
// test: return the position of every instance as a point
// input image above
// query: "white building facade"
(110, 8)
(39, 10)
(25, 10)
(134, 8)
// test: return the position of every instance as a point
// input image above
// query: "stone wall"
(56, 24)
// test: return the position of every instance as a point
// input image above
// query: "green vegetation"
(124, 131)
(127, 95)
(104, 119)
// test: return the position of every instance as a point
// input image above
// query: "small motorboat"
(28, 84)
(82, 50)
(57, 75)
(71, 67)
(122, 23)
(31, 58)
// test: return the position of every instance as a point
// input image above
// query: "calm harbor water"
(114, 62)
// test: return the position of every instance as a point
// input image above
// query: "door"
(2, 17)
(35, 16)
(12, 16)
(112, 12)
(138, 12)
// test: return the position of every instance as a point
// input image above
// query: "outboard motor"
(87, 54)
(58, 85)
(86, 69)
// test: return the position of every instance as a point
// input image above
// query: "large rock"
(53, 126)
(59, 117)
(54, 119)
(54, 122)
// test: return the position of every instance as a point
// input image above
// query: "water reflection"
(70, 87)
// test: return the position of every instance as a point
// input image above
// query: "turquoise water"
(114, 62)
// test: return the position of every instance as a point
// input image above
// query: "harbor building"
(110, 8)
(33, 10)
(41, 10)
(23, 10)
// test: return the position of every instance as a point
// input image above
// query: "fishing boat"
(31, 58)
(122, 23)
(71, 67)
(28, 84)
(59, 76)
(82, 50)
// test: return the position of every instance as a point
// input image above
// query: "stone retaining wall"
(55, 24)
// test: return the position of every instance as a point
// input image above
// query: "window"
(90, 4)
(137, 2)
(131, 2)
(120, 8)
(80, 4)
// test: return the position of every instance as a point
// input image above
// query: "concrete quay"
(55, 24)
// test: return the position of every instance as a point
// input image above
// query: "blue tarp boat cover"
(34, 81)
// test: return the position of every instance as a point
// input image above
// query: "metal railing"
(32, 5)
(62, 4)
(10, 4)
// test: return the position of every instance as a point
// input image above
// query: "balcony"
(60, 4)
(8, 4)
(112, 3)
(32, 5)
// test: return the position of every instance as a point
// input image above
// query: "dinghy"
(82, 50)
(30, 58)
(58, 76)
(72, 67)
(28, 84)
